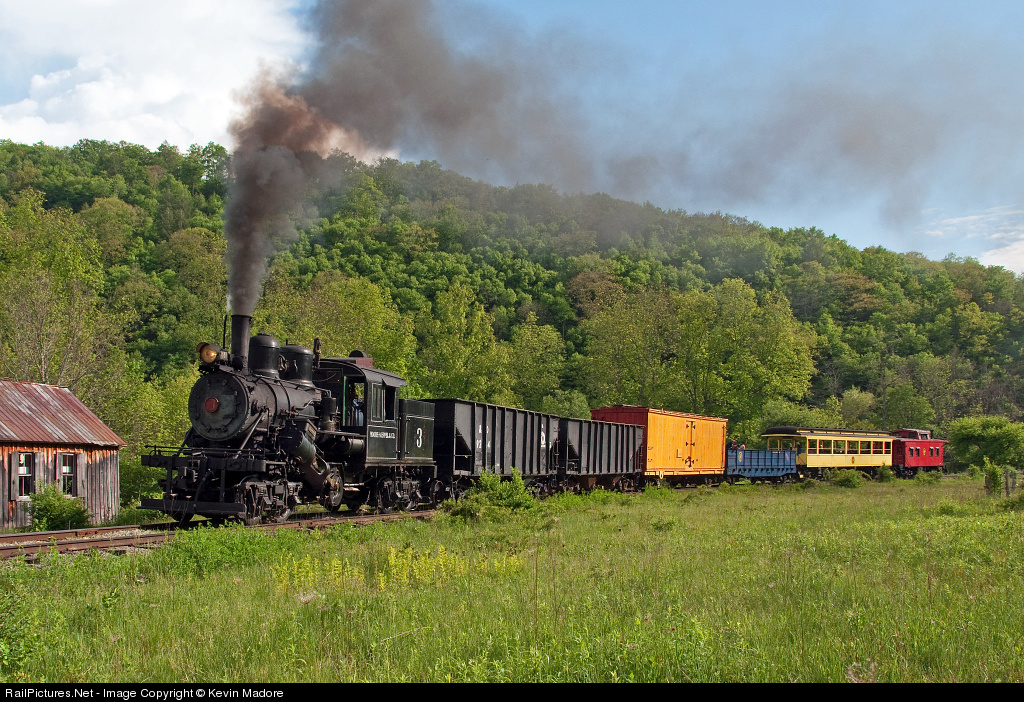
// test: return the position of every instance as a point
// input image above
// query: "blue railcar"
(774, 466)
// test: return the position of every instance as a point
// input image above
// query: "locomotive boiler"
(276, 427)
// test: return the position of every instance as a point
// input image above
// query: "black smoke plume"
(834, 123)
(384, 74)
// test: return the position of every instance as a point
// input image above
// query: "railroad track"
(31, 545)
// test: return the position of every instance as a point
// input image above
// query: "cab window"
(377, 402)
(390, 403)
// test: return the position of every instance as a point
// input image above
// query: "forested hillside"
(111, 271)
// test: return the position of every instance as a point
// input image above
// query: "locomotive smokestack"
(241, 328)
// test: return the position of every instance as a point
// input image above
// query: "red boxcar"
(915, 450)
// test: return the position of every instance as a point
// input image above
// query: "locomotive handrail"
(259, 418)
(188, 452)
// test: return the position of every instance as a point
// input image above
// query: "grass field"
(904, 581)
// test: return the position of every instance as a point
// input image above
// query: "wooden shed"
(48, 436)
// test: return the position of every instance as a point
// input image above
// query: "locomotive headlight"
(208, 353)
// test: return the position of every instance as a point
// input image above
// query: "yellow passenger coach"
(818, 449)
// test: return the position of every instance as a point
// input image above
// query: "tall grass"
(891, 582)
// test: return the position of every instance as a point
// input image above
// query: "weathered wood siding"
(97, 479)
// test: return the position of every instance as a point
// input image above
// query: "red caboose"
(915, 450)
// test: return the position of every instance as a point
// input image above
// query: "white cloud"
(143, 71)
(997, 233)
(1010, 256)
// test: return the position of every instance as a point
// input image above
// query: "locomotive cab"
(369, 405)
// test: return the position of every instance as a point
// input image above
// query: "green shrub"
(1014, 504)
(928, 477)
(847, 477)
(133, 514)
(52, 510)
(19, 636)
(949, 508)
(885, 474)
(493, 498)
(993, 476)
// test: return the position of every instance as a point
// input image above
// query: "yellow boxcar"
(819, 449)
(678, 447)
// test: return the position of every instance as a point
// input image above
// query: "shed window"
(26, 474)
(68, 473)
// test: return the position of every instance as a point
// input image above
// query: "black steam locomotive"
(277, 427)
(274, 427)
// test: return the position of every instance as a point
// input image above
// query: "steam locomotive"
(277, 427)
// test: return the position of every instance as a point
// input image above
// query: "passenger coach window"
(865, 447)
(826, 446)
(812, 446)
(839, 446)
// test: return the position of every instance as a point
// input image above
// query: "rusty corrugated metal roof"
(33, 413)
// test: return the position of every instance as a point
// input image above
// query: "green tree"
(908, 408)
(736, 354)
(537, 356)
(633, 347)
(53, 327)
(461, 356)
(858, 409)
(344, 313)
(973, 439)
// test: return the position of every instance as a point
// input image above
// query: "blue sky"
(893, 124)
